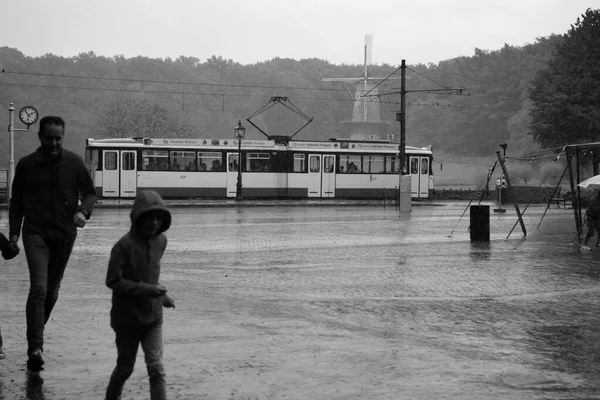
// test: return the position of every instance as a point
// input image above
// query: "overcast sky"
(249, 31)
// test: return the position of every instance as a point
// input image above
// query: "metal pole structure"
(404, 180)
(527, 206)
(578, 188)
(11, 152)
(238, 195)
(552, 195)
(402, 117)
(510, 191)
(578, 224)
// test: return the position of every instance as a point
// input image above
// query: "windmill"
(366, 122)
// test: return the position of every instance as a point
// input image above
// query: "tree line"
(537, 95)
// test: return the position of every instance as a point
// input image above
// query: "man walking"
(46, 190)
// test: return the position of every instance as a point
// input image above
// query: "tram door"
(110, 173)
(424, 178)
(415, 181)
(321, 175)
(128, 174)
(232, 167)
(328, 182)
(314, 175)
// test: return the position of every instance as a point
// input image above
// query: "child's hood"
(149, 200)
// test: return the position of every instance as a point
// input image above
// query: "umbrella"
(591, 183)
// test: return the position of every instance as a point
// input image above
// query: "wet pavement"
(348, 302)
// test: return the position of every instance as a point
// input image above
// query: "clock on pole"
(28, 115)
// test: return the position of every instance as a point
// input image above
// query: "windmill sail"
(366, 122)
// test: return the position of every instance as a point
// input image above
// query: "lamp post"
(28, 115)
(239, 134)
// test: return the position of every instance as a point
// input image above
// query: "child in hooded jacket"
(138, 298)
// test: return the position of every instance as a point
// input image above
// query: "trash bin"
(480, 224)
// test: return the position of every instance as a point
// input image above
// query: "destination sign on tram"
(205, 142)
(343, 145)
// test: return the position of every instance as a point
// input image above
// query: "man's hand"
(79, 219)
(168, 301)
(160, 290)
(13, 242)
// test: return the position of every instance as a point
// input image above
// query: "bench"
(568, 197)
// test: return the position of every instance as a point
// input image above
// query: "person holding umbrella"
(592, 214)
(592, 219)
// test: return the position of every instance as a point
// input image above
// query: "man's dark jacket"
(46, 193)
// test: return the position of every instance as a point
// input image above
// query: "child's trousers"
(128, 339)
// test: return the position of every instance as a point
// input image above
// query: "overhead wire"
(161, 91)
(232, 85)
(177, 92)
(428, 78)
(166, 81)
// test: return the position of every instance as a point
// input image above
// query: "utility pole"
(404, 181)
(404, 178)
(402, 117)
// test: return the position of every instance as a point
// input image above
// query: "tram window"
(299, 163)
(91, 159)
(210, 161)
(233, 162)
(343, 166)
(155, 160)
(391, 164)
(128, 163)
(110, 160)
(352, 164)
(315, 163)
(424, 166)
(374, 165)
(180, 160)
(414, 165)
(258, 162)
(328, 164)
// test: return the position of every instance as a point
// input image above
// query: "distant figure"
(352, 168)
(138, 297)
(191, 166)
(46, 192)
(341, 169)
(592, 218)
(216, 165)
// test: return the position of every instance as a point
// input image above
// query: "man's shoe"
(8, 252)
(586, 248)
(2, 356)
(35, 361)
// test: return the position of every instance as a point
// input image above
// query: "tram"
(208, 168)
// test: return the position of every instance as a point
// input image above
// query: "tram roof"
(246, 143)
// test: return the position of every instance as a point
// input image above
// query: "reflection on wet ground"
(34, 389)
(352, 302)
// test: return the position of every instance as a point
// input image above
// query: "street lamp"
(239, 134)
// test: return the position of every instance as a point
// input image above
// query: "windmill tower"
(366, 122)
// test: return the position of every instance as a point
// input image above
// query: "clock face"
(28, 115)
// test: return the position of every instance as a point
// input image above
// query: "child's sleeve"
(117, 282)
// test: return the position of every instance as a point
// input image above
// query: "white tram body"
(207, 168)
